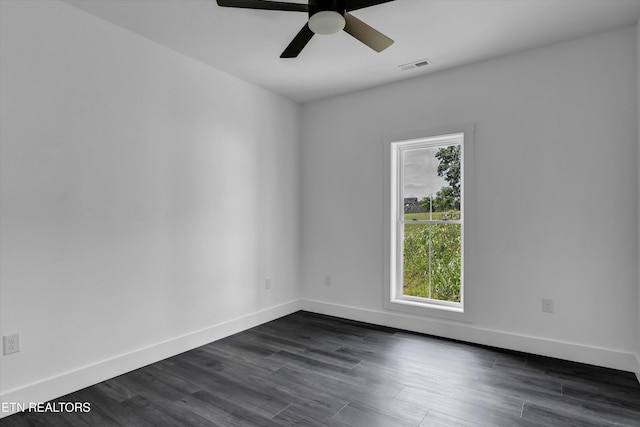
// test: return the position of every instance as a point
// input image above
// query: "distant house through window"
(427, 222)
(411, 205)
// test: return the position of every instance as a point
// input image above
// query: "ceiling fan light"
(326, 22)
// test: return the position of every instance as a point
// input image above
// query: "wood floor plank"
(354, 415)
(439, 419)
(169, 379)
(311, 382)
(396, 410)
(208, 411)
(295, 415)
(238, 413)
(240, 395)
(475, 407)
(312, 370)
(154, 412)
(339, 374)
(104, 409)
(596, 412)
(555, 416)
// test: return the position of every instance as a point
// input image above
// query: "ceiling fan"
(325, 17)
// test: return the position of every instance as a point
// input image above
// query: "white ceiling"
(247, 43)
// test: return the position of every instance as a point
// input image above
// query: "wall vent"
(415, 64)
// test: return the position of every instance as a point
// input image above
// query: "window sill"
(411, 306)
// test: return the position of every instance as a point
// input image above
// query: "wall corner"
(638, 190)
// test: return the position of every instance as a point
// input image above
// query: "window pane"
(431, 183)
(431, 261)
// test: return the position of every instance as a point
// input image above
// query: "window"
(426, 223)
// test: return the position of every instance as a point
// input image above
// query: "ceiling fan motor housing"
(316, 6)
(326, 16)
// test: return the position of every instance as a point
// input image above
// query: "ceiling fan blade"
(298, 43)
(361, 4)
(366, 34)
(265, 4)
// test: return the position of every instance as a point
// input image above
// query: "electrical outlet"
(10, 344)
(267, 283)
(547, 305)
(327, 280)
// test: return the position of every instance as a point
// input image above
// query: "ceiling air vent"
(416, 64)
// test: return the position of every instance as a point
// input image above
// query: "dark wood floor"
(311, 370)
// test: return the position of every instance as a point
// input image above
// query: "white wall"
(556, 203)
(145, 198)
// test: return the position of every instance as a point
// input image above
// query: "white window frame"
(394, 220)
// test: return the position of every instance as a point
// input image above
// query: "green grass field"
(432, 258)
(454, 215)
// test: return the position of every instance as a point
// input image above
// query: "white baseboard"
(604, 357)
(77, 379)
